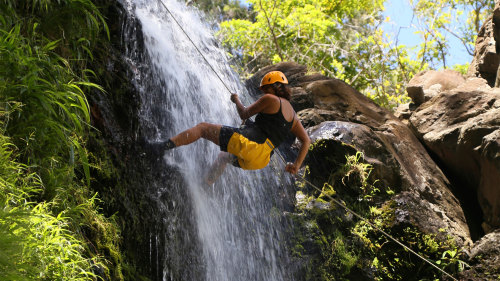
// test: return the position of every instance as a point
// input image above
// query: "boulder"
(426, 84)
(314, 116)
(388, 144)
(363, 138)
(425, 199)
(461, 127)
(487, 51)
(301, 99)
(484, 259)
(404, 111)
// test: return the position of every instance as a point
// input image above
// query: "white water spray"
(238, 225)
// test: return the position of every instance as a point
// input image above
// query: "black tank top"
(274, 126)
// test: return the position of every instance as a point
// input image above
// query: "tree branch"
(467, 48)
(272, 30)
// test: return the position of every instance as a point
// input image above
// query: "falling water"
(238, 222)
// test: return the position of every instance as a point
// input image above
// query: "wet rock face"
(462, 128)
(396, 154)
(487, 51)
(139, 176)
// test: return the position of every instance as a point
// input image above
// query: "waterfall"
(239, 230)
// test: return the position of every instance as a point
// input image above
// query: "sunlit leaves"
(54, 107)
(45, 47)
(340, 39)
(34, 244)
(73, 24)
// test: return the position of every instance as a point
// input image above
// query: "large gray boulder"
(462, 128)
(484, 259)
(427, 84)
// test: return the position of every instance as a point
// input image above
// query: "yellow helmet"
(273, 77)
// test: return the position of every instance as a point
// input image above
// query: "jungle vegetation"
(51, 225)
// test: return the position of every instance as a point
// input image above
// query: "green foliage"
(344, 39)
(52, 108)
(342, 257)
(76, 24)
(393, 262)
(357, 172)
(353, 180)
(304, 31)
(350, 249)
(36, 245)
(325, 158)
(340, 39)
(51, 227)
(461, 68)
(319, 231)
(53, 250)
(340, 254)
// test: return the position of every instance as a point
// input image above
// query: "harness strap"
(268, 142)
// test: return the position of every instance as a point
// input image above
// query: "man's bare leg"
(204, 130)
(218, 167)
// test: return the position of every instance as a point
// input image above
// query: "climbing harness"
(308, 182)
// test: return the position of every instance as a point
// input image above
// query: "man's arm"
(299, 131)
(254, 108)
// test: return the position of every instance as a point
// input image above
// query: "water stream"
(239, 229)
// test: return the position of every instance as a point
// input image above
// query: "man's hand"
(234, 98)
(291, 168)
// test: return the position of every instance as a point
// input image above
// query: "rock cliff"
(345, 121)
(487, 50)
(458, 121)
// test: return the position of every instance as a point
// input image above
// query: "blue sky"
(400, 14)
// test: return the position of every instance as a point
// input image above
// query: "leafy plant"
(358, 173)
(34, 243)
(52, 108)
(342, 257)
(221, 10)
(392, 262)
(345, 39)
(47, 210)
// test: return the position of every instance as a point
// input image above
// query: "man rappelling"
(250, 146)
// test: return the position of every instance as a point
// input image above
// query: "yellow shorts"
(251, 148)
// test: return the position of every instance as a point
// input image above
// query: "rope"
(308, 182)
(196, 47)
